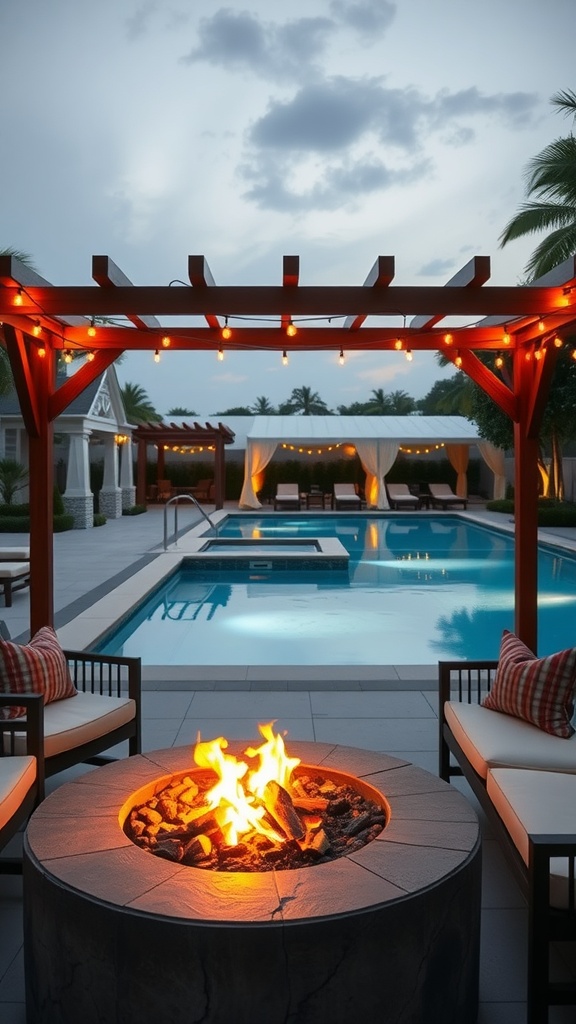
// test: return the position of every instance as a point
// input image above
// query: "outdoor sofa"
(525, 780)
(21, 774)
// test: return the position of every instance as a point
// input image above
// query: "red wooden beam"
(380, 276)
(201, 277)
(473, 275)
(23, 380)
(290, 277)
(59, 401)
(487, 380)
(108, 275)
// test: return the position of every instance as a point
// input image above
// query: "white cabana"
(377, 440)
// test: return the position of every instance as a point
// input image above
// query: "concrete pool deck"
(401, 719)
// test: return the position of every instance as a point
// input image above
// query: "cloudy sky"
(332, 129)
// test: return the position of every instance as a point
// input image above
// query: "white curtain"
(458, 455)
(377, 458)
(257, 456)
(494, 459)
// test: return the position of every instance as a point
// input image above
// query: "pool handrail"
(174, 501)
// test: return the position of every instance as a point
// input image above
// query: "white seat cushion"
(14, 554)
(14, 570)
(491, 739)
(75, 720)
(536, 803)
(17, 774)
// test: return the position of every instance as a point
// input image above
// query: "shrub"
(99, 519)
(550, 511)
(134, 510)
(63, 522)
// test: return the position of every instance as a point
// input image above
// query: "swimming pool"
(418, 589)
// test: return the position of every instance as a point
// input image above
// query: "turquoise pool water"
(419, 589)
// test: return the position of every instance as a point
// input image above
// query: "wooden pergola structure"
(171, 435)
(39, 320)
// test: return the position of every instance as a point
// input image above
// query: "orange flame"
(236, 804)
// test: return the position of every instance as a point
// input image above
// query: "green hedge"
(134, 510)
(550, 511)
(99, 519)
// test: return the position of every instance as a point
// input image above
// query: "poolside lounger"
(287, 497)
(443, 497)
(13, 576)
(399, 496)
(345, 497)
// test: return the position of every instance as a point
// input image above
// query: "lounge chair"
(399, 496)
(443, 497)
(287, 497)
(345, 497)
(204, 490)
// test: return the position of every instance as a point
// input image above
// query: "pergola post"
(41, 459)
(141, 473)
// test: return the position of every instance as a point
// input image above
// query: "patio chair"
(443, 497)
(203, 490)
(399, 496)
(165, 490)
(345, 497)
(287, 497)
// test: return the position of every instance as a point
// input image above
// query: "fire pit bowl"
(388, 933)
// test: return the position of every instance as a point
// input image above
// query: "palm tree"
(263, 407)
(551, 178)
(397, 403)
(307, 402)
(13, 476)
(179, 410)
(137, 405)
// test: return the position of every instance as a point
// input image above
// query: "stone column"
(111, 494)
(127, 476)
(78, 498)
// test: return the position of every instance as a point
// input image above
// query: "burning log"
(279, 805)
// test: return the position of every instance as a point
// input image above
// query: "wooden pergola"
(172, 435)
(40, 320)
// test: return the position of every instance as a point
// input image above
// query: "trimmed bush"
(134, 510)
(63, 522)
(550, 511)
(100, 519)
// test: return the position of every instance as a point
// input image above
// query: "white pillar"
(110, 495)
(127, 476)
(78, 498)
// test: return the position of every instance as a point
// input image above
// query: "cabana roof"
(329, 429)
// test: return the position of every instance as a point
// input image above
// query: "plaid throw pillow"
(539, 690)
(37, 667)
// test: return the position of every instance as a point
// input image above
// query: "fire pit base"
(390, 933)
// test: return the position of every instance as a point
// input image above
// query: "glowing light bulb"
(226, 332)
(41, 351)
(90, 356)
(341, 357)
(92, 329)
(458, 360)
(398, 344)
(409, 355)
(291, 329)
(156, 356)
(540, 325)
(67, 356)
(558, 341)
(220, 355)
(18, 298)
(505, 338)
(165, 341)
(448, 339)
(538, 354)
(499, 362)
(284, 358)
(37, 329)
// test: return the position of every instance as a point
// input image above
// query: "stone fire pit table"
(114, 935)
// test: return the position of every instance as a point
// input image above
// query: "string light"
(409, 355)
(19, 298)
(226, 332)
(573, 354)
(291, 329)
(220, 354)
(541, 325)
(92, 328)
(418, 451)
(398, 344)
(284, 358)
(499, 362)
(558, 341)
(448, 339)
(341, 357)
(165, 341)
(527, 355)
(156, 356)
(41, 351)
(538, 353)
(90, 356)
(505, 337)
(37, 329)
(309, 451)
(458, 359)
(67, 355)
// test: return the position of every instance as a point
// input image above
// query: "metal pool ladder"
(174, 501)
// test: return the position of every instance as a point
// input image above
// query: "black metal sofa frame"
(469, 681)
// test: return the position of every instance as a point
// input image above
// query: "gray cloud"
(332, 116)
(436, 268)
(137, 24)
(239, 41)
(368, 17)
